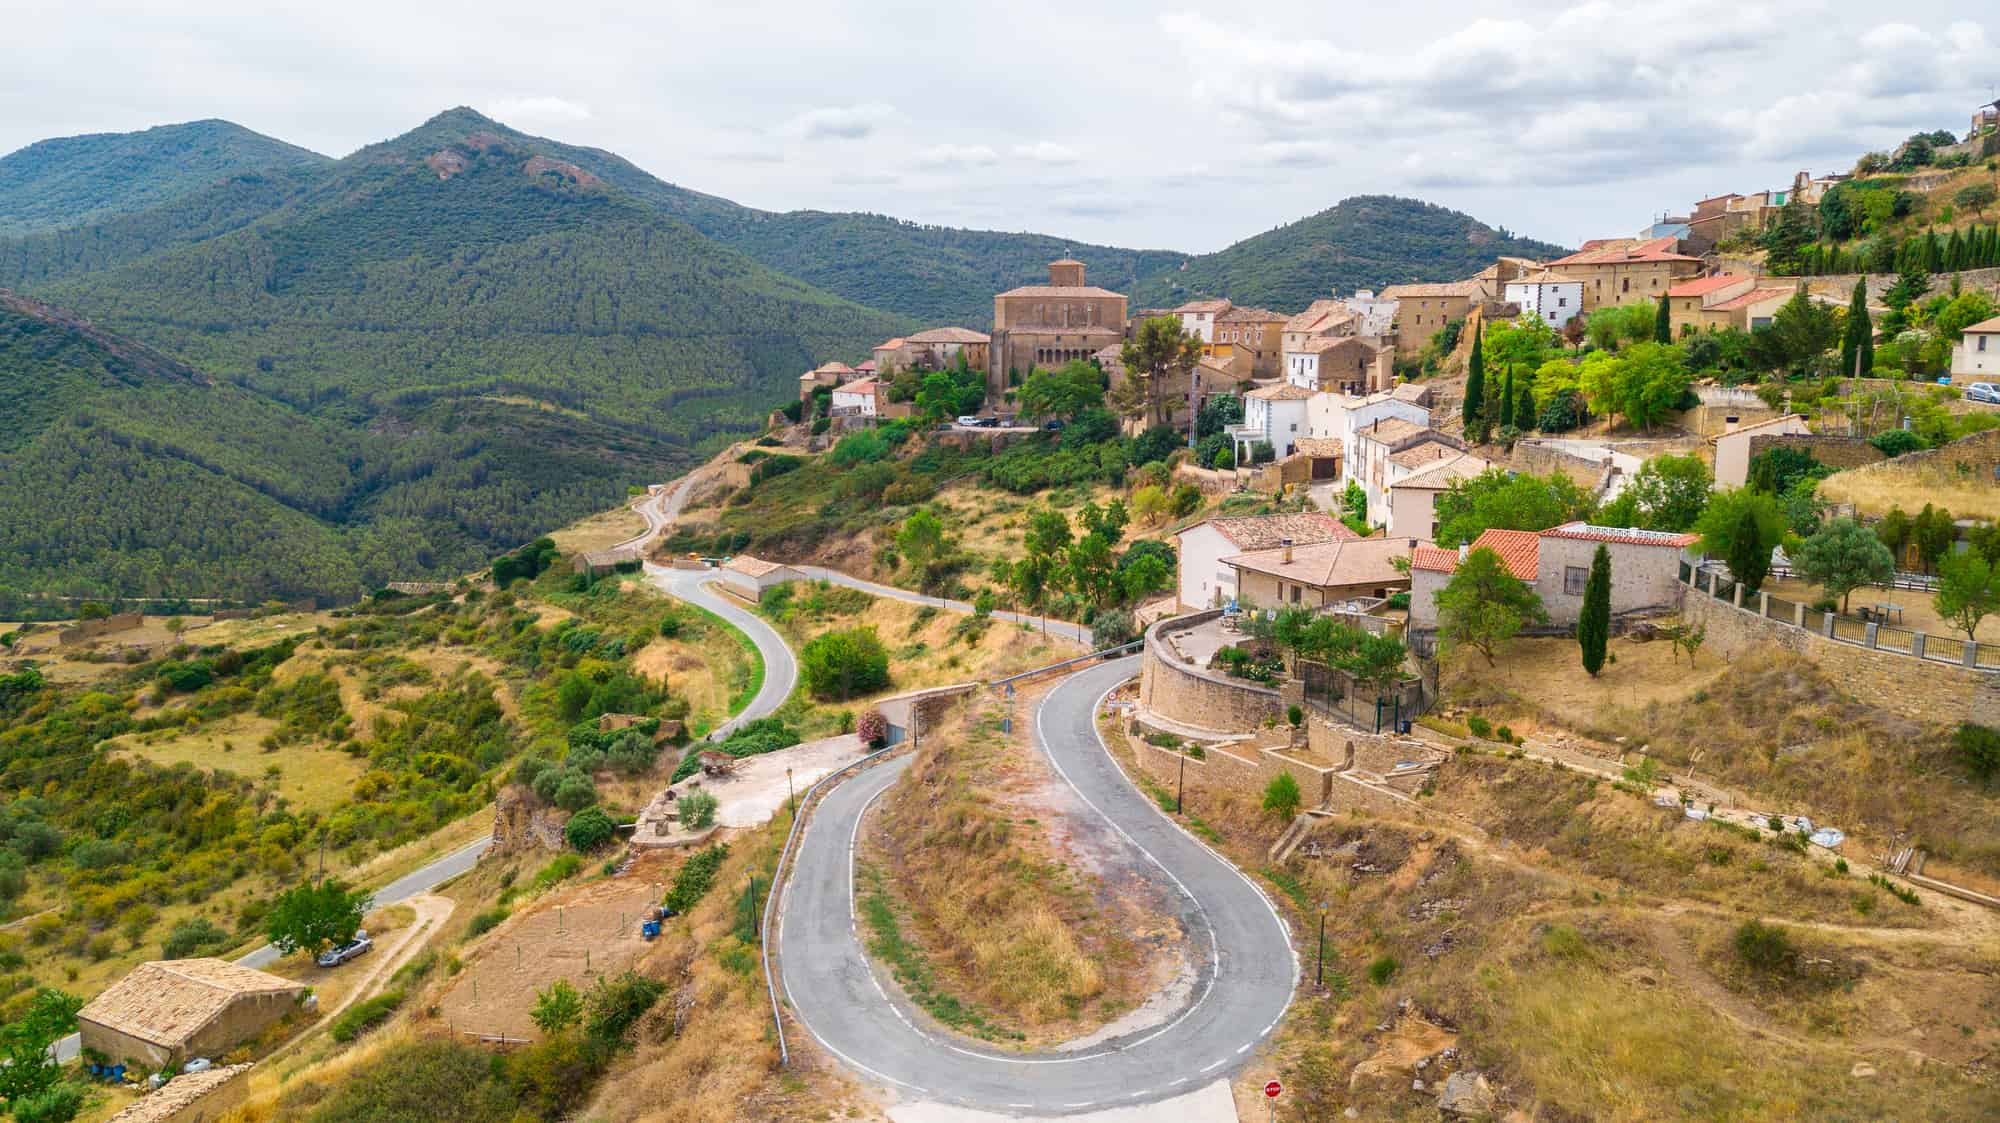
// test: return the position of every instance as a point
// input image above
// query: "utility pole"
(794, 793)
(753, 906)
(1180, 785)
(322, 853)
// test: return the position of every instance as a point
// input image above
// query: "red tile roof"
(1707, 285)
(1618, 251)
(1984, 327)
(1623, 536)
(1520, 551)
(1754, 296)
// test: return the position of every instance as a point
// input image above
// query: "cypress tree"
(1524, 409)
(1663, 322)
(1749, 555)
(1593, 627)
(1475, 385)
(1858, 343)
(1504, 404)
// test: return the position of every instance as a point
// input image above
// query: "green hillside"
(1364, 242)
(73, 180)
(130, 474)
(933, 274)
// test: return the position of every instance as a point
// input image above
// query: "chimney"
(1464, 548)
(1286, 545)
(1729, 423)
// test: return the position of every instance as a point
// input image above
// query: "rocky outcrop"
(521, 823)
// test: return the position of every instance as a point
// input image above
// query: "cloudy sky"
(1132, 122)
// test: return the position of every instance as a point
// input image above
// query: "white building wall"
(1204, 581)
(1302, 370)
(1976, 358)
(1557, 303)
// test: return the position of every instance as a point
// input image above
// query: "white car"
(354, 948)
(968, 420)
(1983, 392)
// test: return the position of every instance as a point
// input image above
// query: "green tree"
(1980, 746)
(1742, 526)
(1484, 605)
(1896, 532)
(1281, 796)
(697, 810)
(1670, 491)
(1799, 333)
(1144, 577)
(1663, 322)
(1842, 557)
(1496, 500)
(1976, 197)
(921, 542)
(1524, 408)
(589, 829)
(1062, 393)
(1651, 381)
(1935, 531)
(26, 1068)
(1159, 354)
(558, 1008)
(1857, 340)
(314, 916)
(838, 665)
(1593, 626)
(1476, 423)
(1968, 591)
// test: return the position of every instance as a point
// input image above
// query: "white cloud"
(1047, 152)
(958, 156)
(525, 109)
(839, 122)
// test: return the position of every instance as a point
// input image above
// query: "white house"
(1207, 583)
(1276, 414)
(1342, 417)
(855, 398)
(1388, 450)
(1377, 314)
(1413, 499)
(1198, 317)
(1977, 356)
(1553, 296)
(1732, 447)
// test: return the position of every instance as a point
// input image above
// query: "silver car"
(354, 948)
(1983, 392)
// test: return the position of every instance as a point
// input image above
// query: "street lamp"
(1319, 973)
(1180, 785)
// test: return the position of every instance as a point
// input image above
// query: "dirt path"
(1684, 968)
(431, 913)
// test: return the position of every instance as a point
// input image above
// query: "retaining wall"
(1240, 769)
(1183, 693)
(1919, 688)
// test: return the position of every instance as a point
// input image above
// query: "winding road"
(1055, 627)
(781, 671)
(1248, 969)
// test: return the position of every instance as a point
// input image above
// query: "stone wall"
(1832, 451)
(201, 1098)
(104, 626)
(1920, 688)
(1183, 693)
(1238, 768)
(1542, 461)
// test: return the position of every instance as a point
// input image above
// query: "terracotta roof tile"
(1520, 551)
(1331, 564)
(751, 566)
(1440, 475)
(1754, 296)
(1257, 532)
(1619, 251)
(167, 1002)
(1706, 285)
(1431, 450)
(1282, 392)
(1625, 536)
(1448, 288)
(1985, 326)
(950, 335)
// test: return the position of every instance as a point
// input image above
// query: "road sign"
(1273, 1088)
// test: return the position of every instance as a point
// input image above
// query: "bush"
(1766, 947)
(1295, 714)
(57, 1104)
(1185, 500)
(485, 922)
(1281, 796)
(589, 829)
(841, 664)
(614, 1004)
(1896, 442)
(1383, 969)
(695, 876)
(1481, 728)
(575, 793)
(1113, 627)
(697, 810)
(365, 1015)
(1979, 746)
(194, 937)
(873, 729)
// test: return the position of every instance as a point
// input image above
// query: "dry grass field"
(310, 777)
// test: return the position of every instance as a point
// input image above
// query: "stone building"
(1249, 341)
(1207, 583)
(1342, 364)
(1732, 448)
(1555, 563)
(1626, 270)
(171, 1011)
(1423, 310)
(1048, 325)
(1321, 574)
(1691, 304)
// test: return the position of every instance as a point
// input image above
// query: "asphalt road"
(1063, 628)
(781, 671)
(1248, 969)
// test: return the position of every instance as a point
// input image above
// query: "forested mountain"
(125, 472)
(73, 180)
(1367, 241)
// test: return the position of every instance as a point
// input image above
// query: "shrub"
(615, 1003)
(1281, 796)
(695, 876)
(1481, 728)
(697, 810)
(196, 936)
(873, 729)
(1506, 735)
(1979, 746)
(1766, 947)
(576, 792)
(1295, 714)
(57, 1104)
(1564, 942)
(841, 664)
(1185, 500)
(485, 922)
(365, 1015)
(557, 1008)
(1383, 969)
(589, 829)
(1113, 627)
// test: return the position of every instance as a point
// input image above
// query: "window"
(1628, 285)
(1575, 577)
(1296, 590)
(1982, 343)
(1562, 302)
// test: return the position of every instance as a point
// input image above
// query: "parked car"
(1054, 426)
(988, 423)
(352, 949)
(968, 420)
(199, 1064)
(1983, 392)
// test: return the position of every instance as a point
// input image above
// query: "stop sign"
(1273, 1088)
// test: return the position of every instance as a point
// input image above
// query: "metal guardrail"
(1107, 653)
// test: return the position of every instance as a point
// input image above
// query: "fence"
(1914, 582)
(1870, 634)
(1338, 694)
